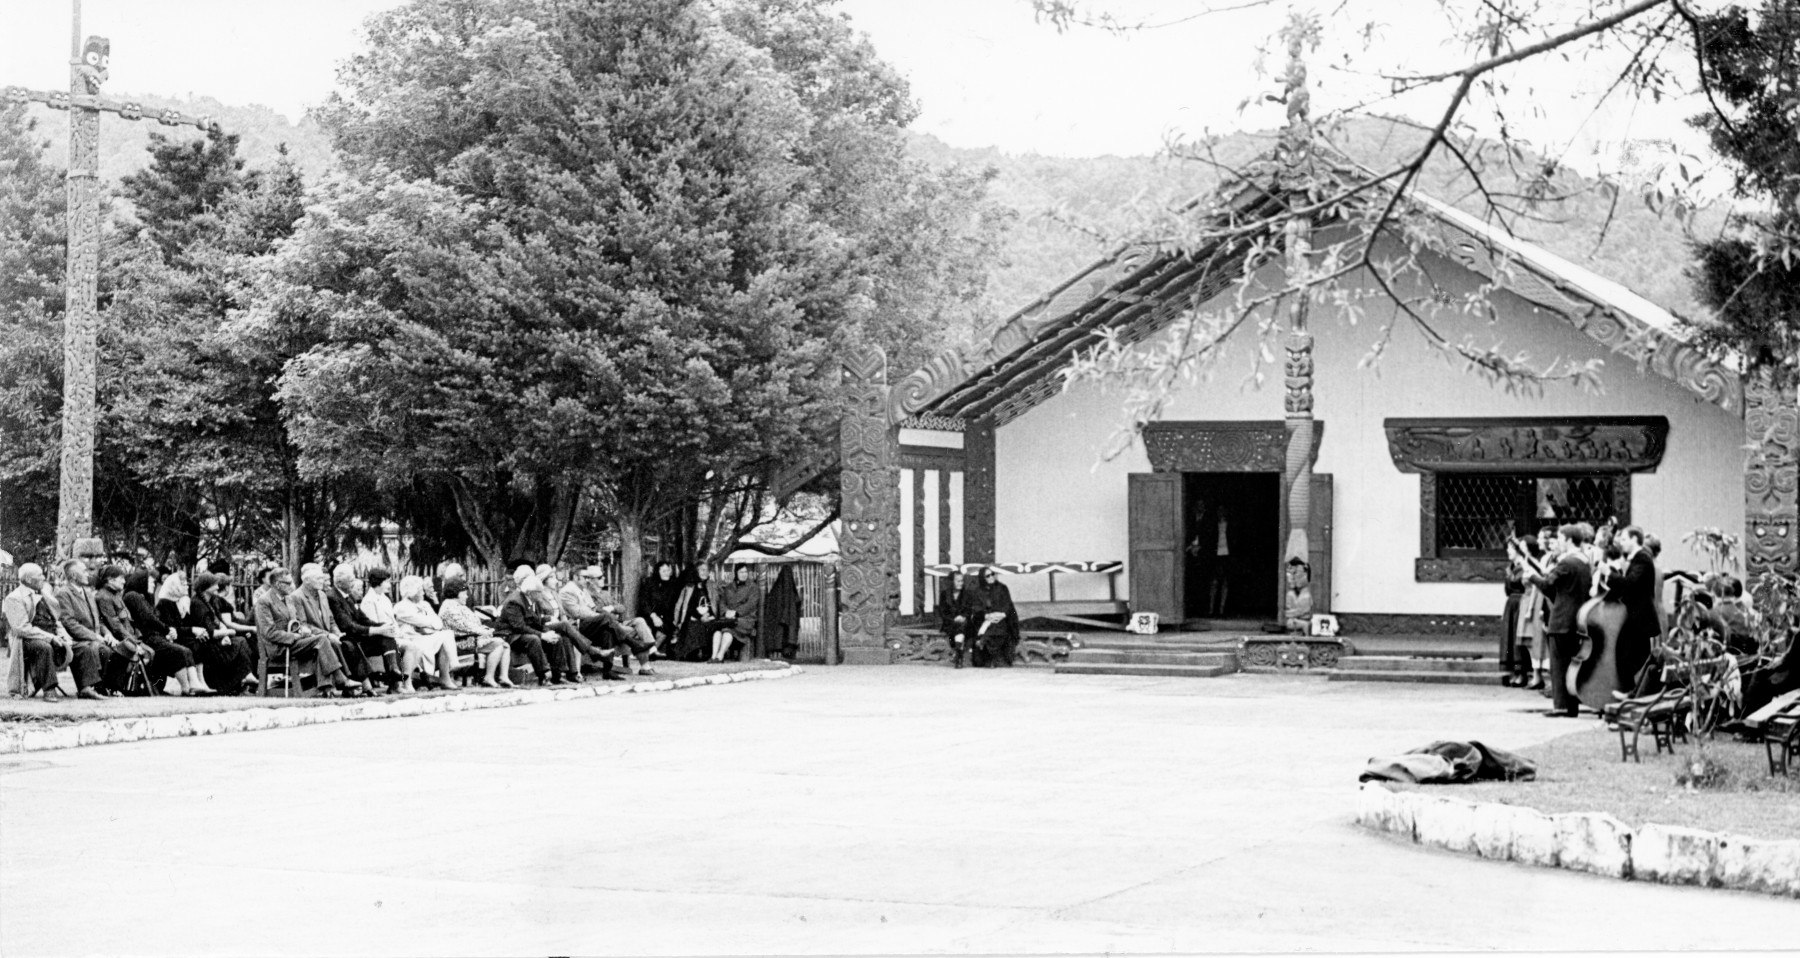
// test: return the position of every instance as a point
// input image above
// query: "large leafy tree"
(1750, 275)
(612, 249)
(32, 247)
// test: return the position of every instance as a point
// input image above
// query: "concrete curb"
(1583, 841)
(29, 737)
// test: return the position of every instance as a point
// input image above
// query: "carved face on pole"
(96, 58)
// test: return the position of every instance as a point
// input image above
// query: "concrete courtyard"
(847, 810)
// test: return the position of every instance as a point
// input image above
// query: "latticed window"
(1477, 512)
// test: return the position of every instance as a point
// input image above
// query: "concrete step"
(1225, 667)
(1414, 663)
(1141, 656)
(1136, 643)
(1438, 645)
(1428, 678)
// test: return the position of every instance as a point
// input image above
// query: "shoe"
(1506, 681)
(1559, 713)
(1537, 685)
(507, 684)
(53, 694)
(646, 670)
(88, 694)
(613, 677)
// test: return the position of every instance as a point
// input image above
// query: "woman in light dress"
(462, 620)
(416, 645)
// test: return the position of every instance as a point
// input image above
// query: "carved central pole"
(1296, 159)
(75, 499)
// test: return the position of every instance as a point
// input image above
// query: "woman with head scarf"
(656, 602)
(224, 658)
(993, 622)
(167, 656)
(696, 616)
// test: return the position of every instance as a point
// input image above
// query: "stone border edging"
(39, 738)
(1584, 841)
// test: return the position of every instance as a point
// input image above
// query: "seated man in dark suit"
(306, 623)
(373, 647)
(97, 660)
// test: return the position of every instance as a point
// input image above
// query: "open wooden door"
(1318, 542)
(1154, 520)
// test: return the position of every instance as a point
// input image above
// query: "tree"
(1651, 46)
(611, 250)
(1750, 275)
(33, 242)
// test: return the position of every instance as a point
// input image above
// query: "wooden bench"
(1781, 738)
(1664, 714)
(1076, 611)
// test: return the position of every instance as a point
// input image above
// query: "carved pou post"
(88, 64)
(1297, 177)
(1771, 477)
(868, 545)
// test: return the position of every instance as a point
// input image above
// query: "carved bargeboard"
(868, 545)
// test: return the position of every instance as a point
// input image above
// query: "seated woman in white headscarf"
(423, 630)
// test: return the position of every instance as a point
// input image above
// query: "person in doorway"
(1211, 545)
(1566, 588)
(992, 620)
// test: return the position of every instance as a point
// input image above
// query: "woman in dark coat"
(656, 602)
(167, 656)
(741, 603)
(697, 617)
(992, 621)
(781, 616)
(224, 659)
(951, 618)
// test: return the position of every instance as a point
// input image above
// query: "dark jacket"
(348, 615)
(79, 613)
(1636, 588)
(519, 617)
(142, 608)
(1566, 588)
(114, 615)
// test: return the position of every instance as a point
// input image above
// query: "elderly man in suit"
(302, 620)
(97, 660)
(1565, 587)
(32, 622)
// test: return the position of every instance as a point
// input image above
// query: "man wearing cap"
(579, 604)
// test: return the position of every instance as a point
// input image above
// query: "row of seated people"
(123, 623)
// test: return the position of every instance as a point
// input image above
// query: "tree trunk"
(631, 556)
(565, 502)
(468, 512)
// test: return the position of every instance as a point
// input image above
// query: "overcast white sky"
(983, 71)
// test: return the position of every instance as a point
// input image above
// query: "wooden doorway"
(1231, 545)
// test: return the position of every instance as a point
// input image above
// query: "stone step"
(1152, 644)
(1140, 656)
(1428, 678)
(1169, 671)
(1414, 663)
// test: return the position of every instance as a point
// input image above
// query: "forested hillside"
(1062, 203)
(1069, 210)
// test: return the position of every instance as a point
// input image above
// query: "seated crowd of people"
(123, 629)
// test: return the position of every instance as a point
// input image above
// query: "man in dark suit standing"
(1635, 586)
(1566, 588)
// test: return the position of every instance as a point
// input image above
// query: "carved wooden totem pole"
(1297, 177)
(868, 546)
(87, 71)
(1771, 478)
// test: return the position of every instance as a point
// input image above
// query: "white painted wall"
(1057, 500)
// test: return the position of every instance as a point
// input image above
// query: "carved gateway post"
(1771, 478)
(88, 62)
(868, 546)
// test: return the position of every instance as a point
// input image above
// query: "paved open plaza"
(847, 810)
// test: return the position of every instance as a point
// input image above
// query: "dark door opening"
(1231, 543)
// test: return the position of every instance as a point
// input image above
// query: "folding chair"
(137, 676)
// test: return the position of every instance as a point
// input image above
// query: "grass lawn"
(72, 709)
(1581, 772)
